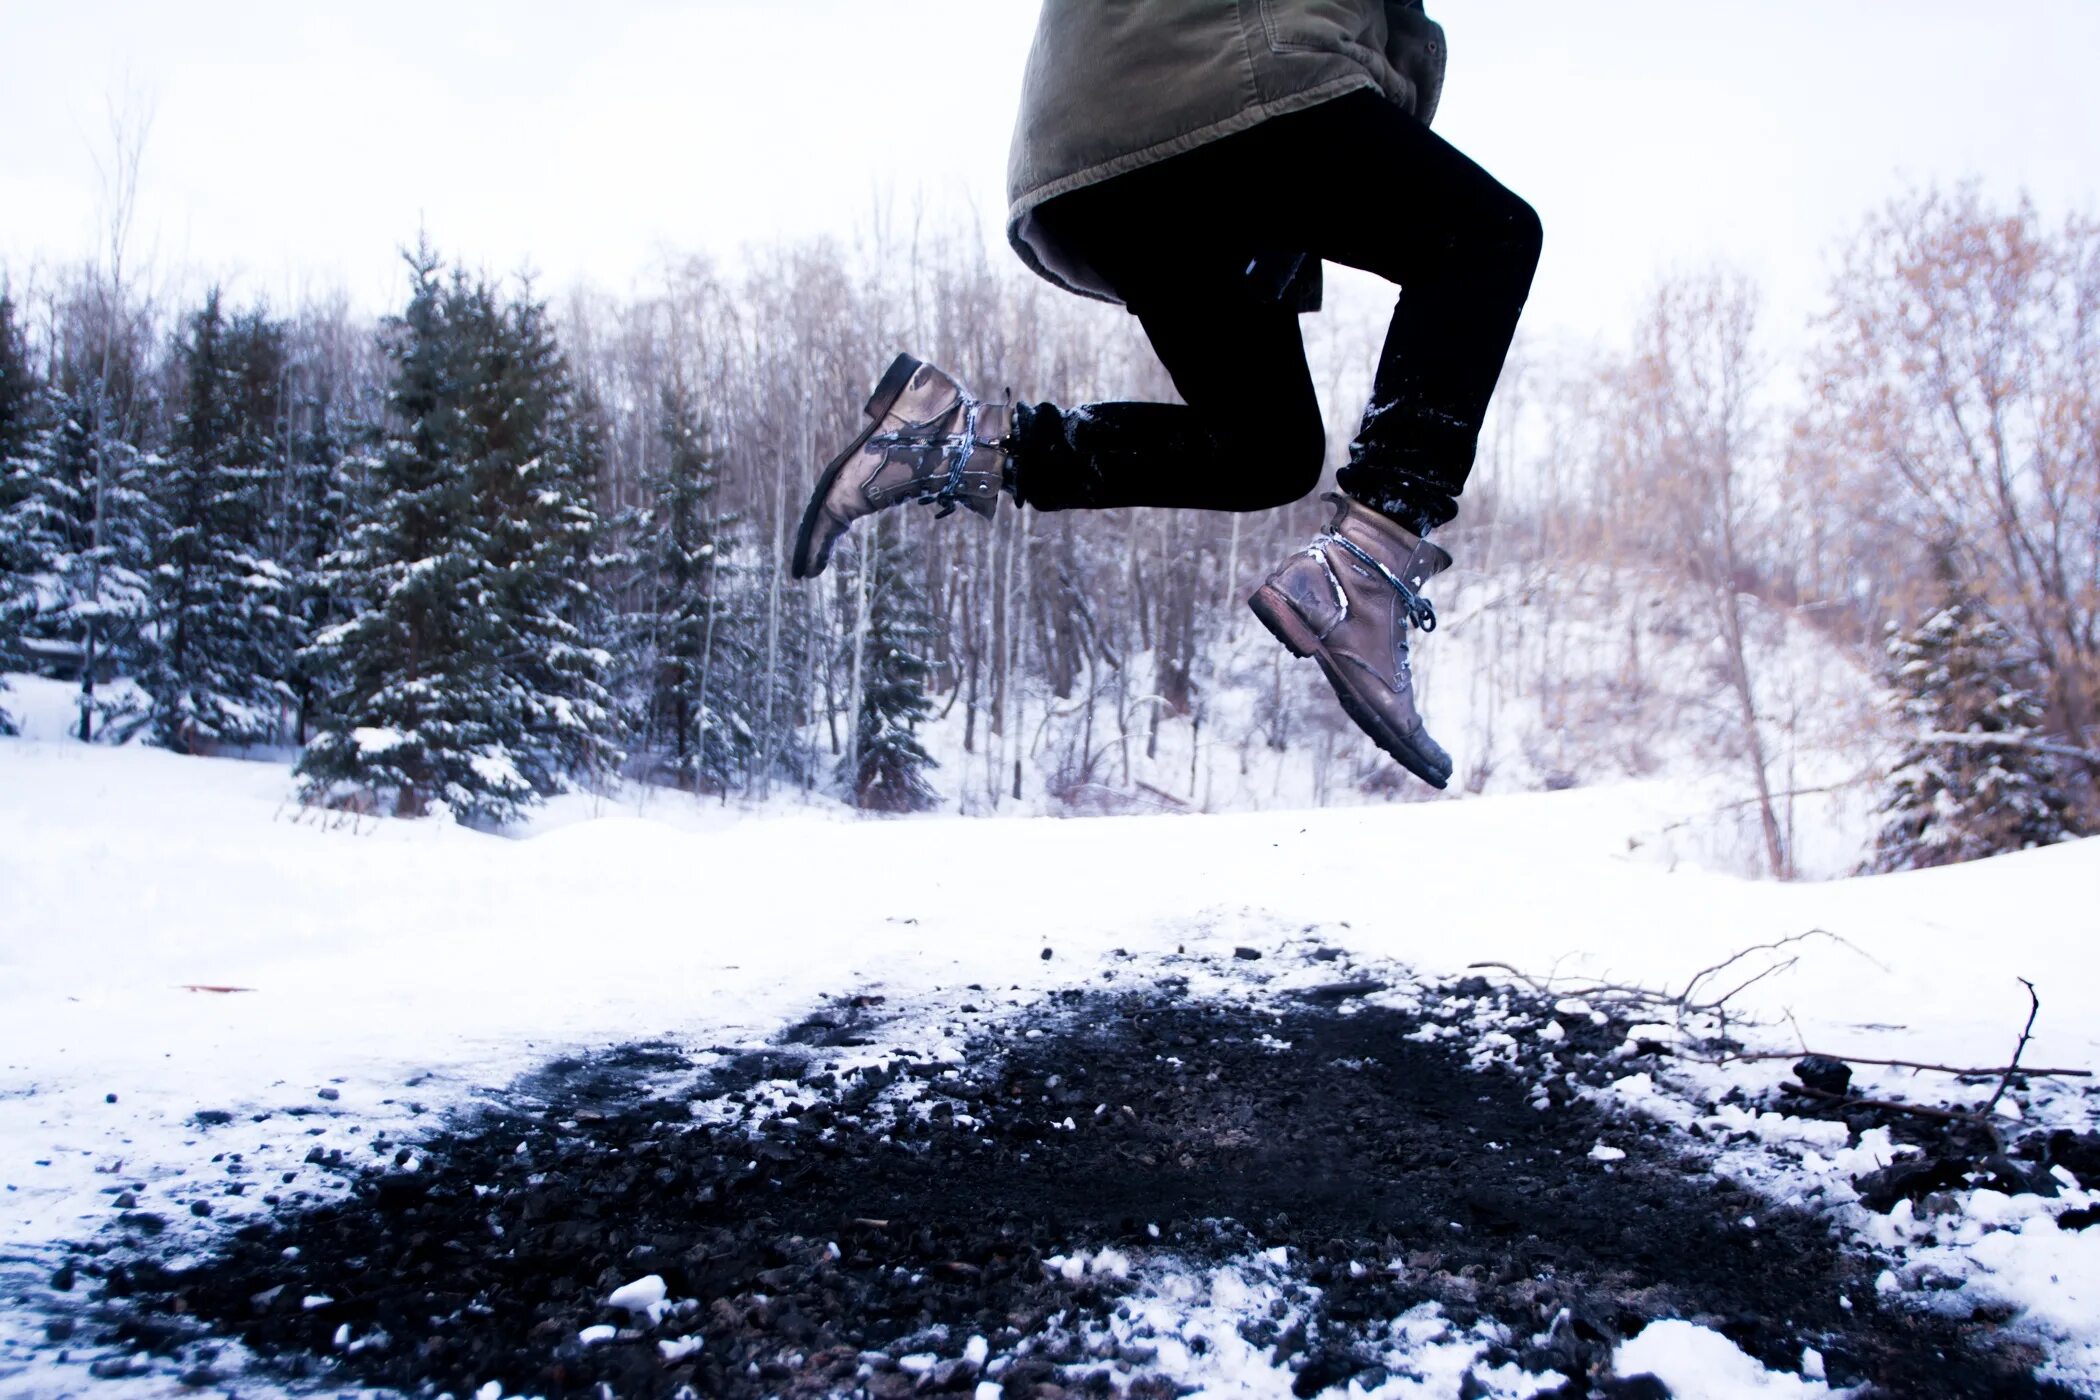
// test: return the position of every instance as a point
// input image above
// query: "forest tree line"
(494, 547)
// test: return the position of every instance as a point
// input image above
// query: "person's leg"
(1463, 249)
(1248, 436)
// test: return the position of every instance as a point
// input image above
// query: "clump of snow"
(641, 1295)
(1191, 1318)
(1697, 1363)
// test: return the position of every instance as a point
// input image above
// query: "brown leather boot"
(927, 440)
(1347, 601)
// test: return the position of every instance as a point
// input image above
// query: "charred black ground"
(837, 1235)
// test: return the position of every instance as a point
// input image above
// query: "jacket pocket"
(1353, 27)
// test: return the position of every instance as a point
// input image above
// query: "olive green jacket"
(1115, 85)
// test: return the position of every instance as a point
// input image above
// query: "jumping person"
(1196, 162)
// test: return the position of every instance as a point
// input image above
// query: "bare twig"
(1586, 990)
(2034, 1009)
(1684, 999)
(1721, 1006)
(1799, 1039)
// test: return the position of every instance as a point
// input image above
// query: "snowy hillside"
(183, 949)
(1535, 681)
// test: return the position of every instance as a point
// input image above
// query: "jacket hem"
(1024, 203)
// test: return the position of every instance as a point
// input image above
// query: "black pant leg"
(1463, 249)
(1247, 437)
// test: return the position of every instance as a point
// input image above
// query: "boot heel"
(893, 381)
(1283, 621)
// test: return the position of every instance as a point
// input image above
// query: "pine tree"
(215, 669)
(469, 668)
(425, 712)
(884, 770)
(20, 398)
(315, 505)
(536, 454)
(698, 645)
(89, 522)
(1949, 801)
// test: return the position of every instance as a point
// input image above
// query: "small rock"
(952, 1375)
(1332, 992)
(212, 1117)
(1641, 1387)
(329, 1094)
(63, 1279)
(109, 1098)
(400, 1190)
(2077, 1153)
(125, 1200)
(200, 1208)
(1823, 1074)
(1907, 1181)
(2083, 1218)
(1046, 955)
(58, 1329)
(1247, 954)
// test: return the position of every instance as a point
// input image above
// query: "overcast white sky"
(299, 145)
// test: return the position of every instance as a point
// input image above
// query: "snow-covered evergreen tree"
(694, 638)
(884, 770)
(215, 666)
(20, 398)
(316, 500)
(536, 453)
(1955, 799)
(468, 670)
(90, 523)
(425, 712)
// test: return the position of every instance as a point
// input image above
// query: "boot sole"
(891, 387)
(1287, 627)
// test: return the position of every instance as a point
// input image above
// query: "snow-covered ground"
(178, 935)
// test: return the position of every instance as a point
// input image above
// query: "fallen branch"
(1957, 1070)
(1585, 991)
(1847, 1101)
(1680, 1002)
(1648, 996)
